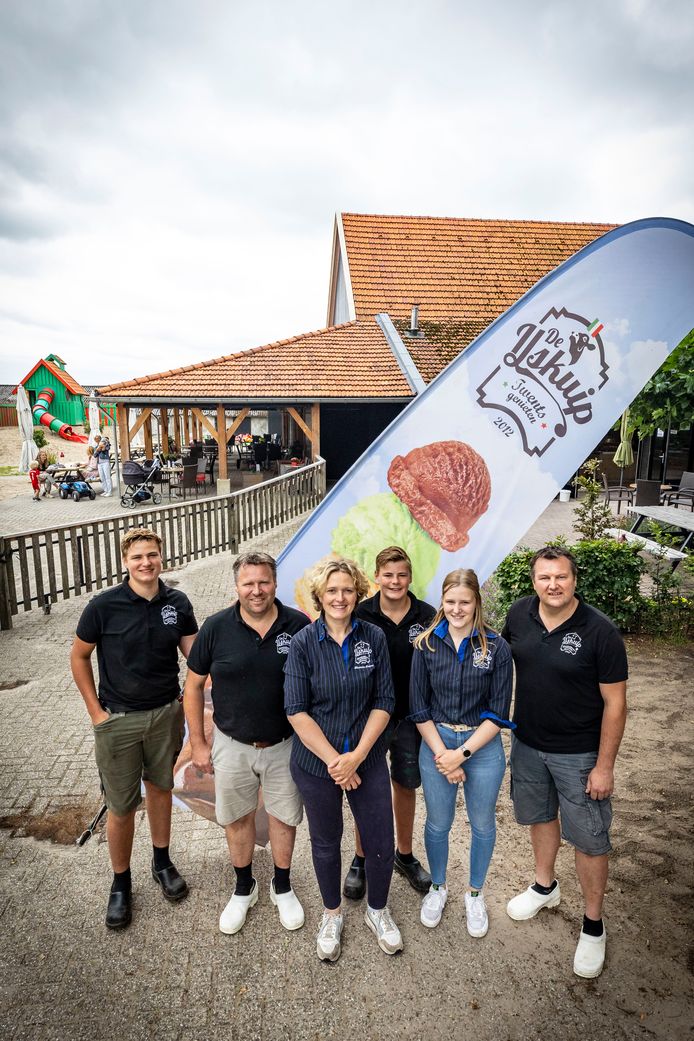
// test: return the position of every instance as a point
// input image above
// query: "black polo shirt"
(399, 636)
(558, 705)
(137, 645)
(247, 672)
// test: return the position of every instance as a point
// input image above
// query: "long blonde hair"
(466, 577)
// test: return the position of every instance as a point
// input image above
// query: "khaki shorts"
(134, 746)
(240, 770)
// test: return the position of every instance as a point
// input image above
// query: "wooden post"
(177, 428)
(164, 431)
(5, 606)
(123, 431)
(315, 429)
(223, 471)
(147, 429)
(186, 429)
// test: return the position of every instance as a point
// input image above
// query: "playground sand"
(11, 450)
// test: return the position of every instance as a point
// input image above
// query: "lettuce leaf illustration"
(383, 520)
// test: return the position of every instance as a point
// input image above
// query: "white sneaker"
(291, 911)
(527, 904)
(328, 945)
(234, 914)
(433, 905)
(476, 915)
(590, 955)
(387, 932)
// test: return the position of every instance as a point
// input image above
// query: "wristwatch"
(466, 752)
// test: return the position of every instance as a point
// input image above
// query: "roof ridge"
(480, 220)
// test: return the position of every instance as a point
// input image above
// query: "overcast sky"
(170, 169)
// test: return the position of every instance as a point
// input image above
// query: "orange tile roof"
(456, 269)
(60, 374)
(344, 361)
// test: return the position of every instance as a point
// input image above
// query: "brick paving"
(172, 974)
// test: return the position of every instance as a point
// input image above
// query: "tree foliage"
(668, 398)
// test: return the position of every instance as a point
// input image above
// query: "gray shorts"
(240, 770)
(134, 746)
(545, 785)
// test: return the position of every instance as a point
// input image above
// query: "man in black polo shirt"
(244, 648)
(137, 629)
(402, 617)
(570, 711)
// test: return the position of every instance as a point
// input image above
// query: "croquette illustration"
(446, 487)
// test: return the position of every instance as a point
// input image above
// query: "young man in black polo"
(402, 617)
(137, 629)
(570, 711)
(244, 648)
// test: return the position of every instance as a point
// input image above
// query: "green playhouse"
(56, 399)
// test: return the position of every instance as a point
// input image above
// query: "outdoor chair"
(187, 482)
(684, 494)
(647, 493)
(617, 492)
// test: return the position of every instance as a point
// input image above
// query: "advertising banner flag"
(463, 472)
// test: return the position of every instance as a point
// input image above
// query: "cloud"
(169, 171)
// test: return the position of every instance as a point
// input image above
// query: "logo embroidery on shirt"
(169, 615)
(571, 644)
(414, 632)
(363, 655)
(282, 641)
(480, 660)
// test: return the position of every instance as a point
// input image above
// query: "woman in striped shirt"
(338, 695)
(460, 696)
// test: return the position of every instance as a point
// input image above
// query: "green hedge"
(609, 573)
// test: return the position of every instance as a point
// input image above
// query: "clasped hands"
(448, 763)
(343, 770)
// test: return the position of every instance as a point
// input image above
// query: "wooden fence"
(8, 416)
(38, 568)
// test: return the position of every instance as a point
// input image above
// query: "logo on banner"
(363, 655)
(547, 380)
(169, 615)
(571, 644)
(282, 642)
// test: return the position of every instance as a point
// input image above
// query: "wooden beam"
(149, 450)
(123, 432)
(204, 422)
(223, 472)
(231, 430)
(186, 428)
(139, 423)
(315, 429)
(164, 431)
(177, 427)
(299, 422)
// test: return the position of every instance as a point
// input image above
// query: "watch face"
(467, 753)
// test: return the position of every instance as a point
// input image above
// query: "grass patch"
(9, 471)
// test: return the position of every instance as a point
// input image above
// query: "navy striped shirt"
(338, 687)
(463, 686)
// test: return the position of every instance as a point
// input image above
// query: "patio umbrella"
(624, 456)
(94, 420)
(25, 421)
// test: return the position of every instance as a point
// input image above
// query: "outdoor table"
(682, 519)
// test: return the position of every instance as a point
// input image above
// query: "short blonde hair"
(321, 577)
(138, 535)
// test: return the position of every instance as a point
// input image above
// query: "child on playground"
(34, 478)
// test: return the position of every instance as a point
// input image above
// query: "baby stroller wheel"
(156, 498)
(126, 500)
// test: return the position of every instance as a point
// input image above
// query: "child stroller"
(140, 481)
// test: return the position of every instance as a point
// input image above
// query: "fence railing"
(40, 567)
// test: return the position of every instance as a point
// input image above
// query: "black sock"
(281, 880)
(244, 880)
(121, 881)
(161, 857)
(406, 858)
(591, 927)
(357, 861)
(544, 890)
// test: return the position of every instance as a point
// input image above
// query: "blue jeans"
(484, 773)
